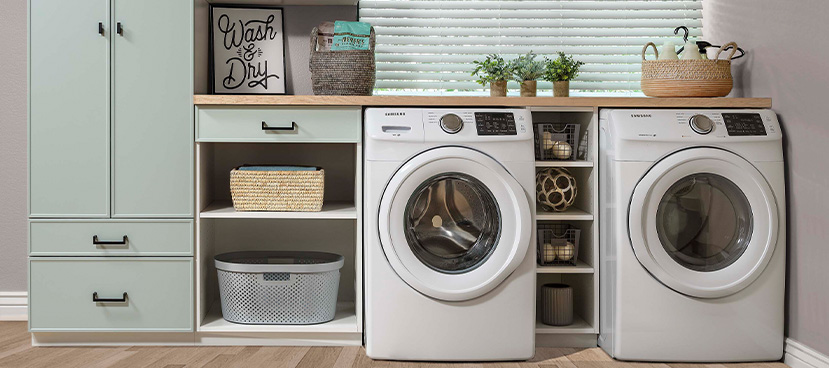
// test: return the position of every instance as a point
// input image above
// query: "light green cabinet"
(111, 238)
(111, 127)
(152, 109)
(69, 133)
(111, 294)
(279, 124)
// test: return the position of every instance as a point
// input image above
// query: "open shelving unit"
(583, 276)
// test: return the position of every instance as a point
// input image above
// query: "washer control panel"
(451, 123)
(743, 124)
(701, 124)
(495, 123)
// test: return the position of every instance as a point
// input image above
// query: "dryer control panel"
(450, 125)
(744, 124)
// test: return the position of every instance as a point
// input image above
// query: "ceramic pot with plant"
(526, 70)
(561, 71)
(495, 71)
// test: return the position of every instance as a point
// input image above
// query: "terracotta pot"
(561, 88)
(528, 88)
(498, 88)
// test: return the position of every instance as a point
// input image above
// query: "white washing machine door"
(703, 222)
(454, 223)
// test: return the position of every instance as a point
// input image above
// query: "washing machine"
(449, 257)
(693, 238)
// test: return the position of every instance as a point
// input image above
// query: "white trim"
(801, 356)
(14, 306)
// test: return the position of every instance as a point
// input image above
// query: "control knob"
(451, 123)
(701, 124)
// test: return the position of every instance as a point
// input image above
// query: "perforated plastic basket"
(285, 288)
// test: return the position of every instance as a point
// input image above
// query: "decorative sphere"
(555, 189)
(561, 150)
(547, 141)
(548, 253)
(565, 252)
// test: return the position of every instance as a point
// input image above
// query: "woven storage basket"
(687, 78)
(254, 190)
(342, 73)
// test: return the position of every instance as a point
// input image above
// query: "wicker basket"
(342, 73)
(277, 190)
(687, 78)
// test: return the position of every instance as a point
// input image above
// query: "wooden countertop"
(265, 100)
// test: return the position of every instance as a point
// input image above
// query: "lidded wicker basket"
(687, 78)
(342, 73)
(277, 188)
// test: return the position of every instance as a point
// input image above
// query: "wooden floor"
(16, 351)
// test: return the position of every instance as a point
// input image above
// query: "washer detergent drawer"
(110, 294)
(279, 124)
(111, 238)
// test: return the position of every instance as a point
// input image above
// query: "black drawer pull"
(119, 28)
(266, 127)
(108, 242)
(96, 299)
(101, 28)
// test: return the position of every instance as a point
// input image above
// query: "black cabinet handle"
(119, 29)
(266, 127)
(108, 242)
(101, 28)
(96, 299)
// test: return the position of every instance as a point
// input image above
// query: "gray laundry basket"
(284, 288)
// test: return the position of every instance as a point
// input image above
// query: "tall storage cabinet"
(111, 165)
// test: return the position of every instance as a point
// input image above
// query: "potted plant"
(560, 71)
(495, 71)
(526, 70)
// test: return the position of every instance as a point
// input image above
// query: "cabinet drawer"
(279, 124)
(159, 294)
(111, 238)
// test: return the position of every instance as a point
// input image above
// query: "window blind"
(427, 46)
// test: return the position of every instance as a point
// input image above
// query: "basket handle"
(372, 40)
(645, 49)
(723, 47)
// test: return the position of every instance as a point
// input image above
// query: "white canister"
(668, 51)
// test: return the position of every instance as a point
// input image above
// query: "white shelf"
(572, 214)
(345, 321)
(330, 210)
(579, 326)
(578, 163)
(580, 267)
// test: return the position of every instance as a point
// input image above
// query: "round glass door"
(454, 223)
(703, 222)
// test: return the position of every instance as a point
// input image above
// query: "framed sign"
(247, 50)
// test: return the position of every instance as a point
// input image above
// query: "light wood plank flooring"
(16, 351)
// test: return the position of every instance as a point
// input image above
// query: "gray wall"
(787, 61)
(13, 168)
(299, 20)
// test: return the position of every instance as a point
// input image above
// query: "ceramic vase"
(557, 304)
(498, 88)
(561, 88)
(528, 88)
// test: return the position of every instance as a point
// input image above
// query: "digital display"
(738, 124)
(495, 123)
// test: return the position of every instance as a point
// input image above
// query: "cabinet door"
(153, 109)
(69, 135)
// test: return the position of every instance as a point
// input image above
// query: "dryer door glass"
(452, 223)
(704, 222)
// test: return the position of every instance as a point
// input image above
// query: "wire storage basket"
(558, 244)
(278, 287)
(556, 141)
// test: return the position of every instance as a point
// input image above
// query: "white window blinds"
(427, 46)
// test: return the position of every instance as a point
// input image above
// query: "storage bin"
(687, 78)
(553, 248)
(278, 287)
(277, 188)
(343, 73)
(546, 136)
(556, 304)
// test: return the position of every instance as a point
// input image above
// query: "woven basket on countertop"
(342, 73)
(254, 190)
(687, 78)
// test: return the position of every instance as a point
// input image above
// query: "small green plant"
(492, 69)
(526, 68)
(564, 68)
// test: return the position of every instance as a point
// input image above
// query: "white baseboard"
(14, 306)
(802, 356)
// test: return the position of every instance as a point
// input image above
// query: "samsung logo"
(395, 114)
(640, 115)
